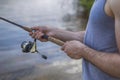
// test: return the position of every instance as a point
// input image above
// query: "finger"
(69, 54)
(38, 35)
(41, 34)
(64, 47)
(33, 35)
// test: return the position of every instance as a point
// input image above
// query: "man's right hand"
(39, 32)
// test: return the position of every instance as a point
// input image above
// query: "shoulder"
(114, 3)
(115, 7)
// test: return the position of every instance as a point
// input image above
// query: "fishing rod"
(31, 46)
(52, 39)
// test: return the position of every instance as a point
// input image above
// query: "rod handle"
(54, 40)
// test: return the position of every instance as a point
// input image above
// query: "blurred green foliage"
(86, 4)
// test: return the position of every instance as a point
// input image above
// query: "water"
(16, 65)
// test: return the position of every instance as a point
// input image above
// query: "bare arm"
(109, 63)
(68, 35)
(61, 34)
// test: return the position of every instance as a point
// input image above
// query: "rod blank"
(23, 27)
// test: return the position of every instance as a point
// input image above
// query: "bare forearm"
(107, 62)
(65, 35)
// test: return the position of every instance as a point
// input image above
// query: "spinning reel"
(31, 47)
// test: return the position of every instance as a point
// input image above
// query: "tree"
(86, 4)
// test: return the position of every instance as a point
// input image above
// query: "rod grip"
(54, 40)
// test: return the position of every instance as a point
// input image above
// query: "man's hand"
(73, 49)
(39, 32)
(61, 34)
